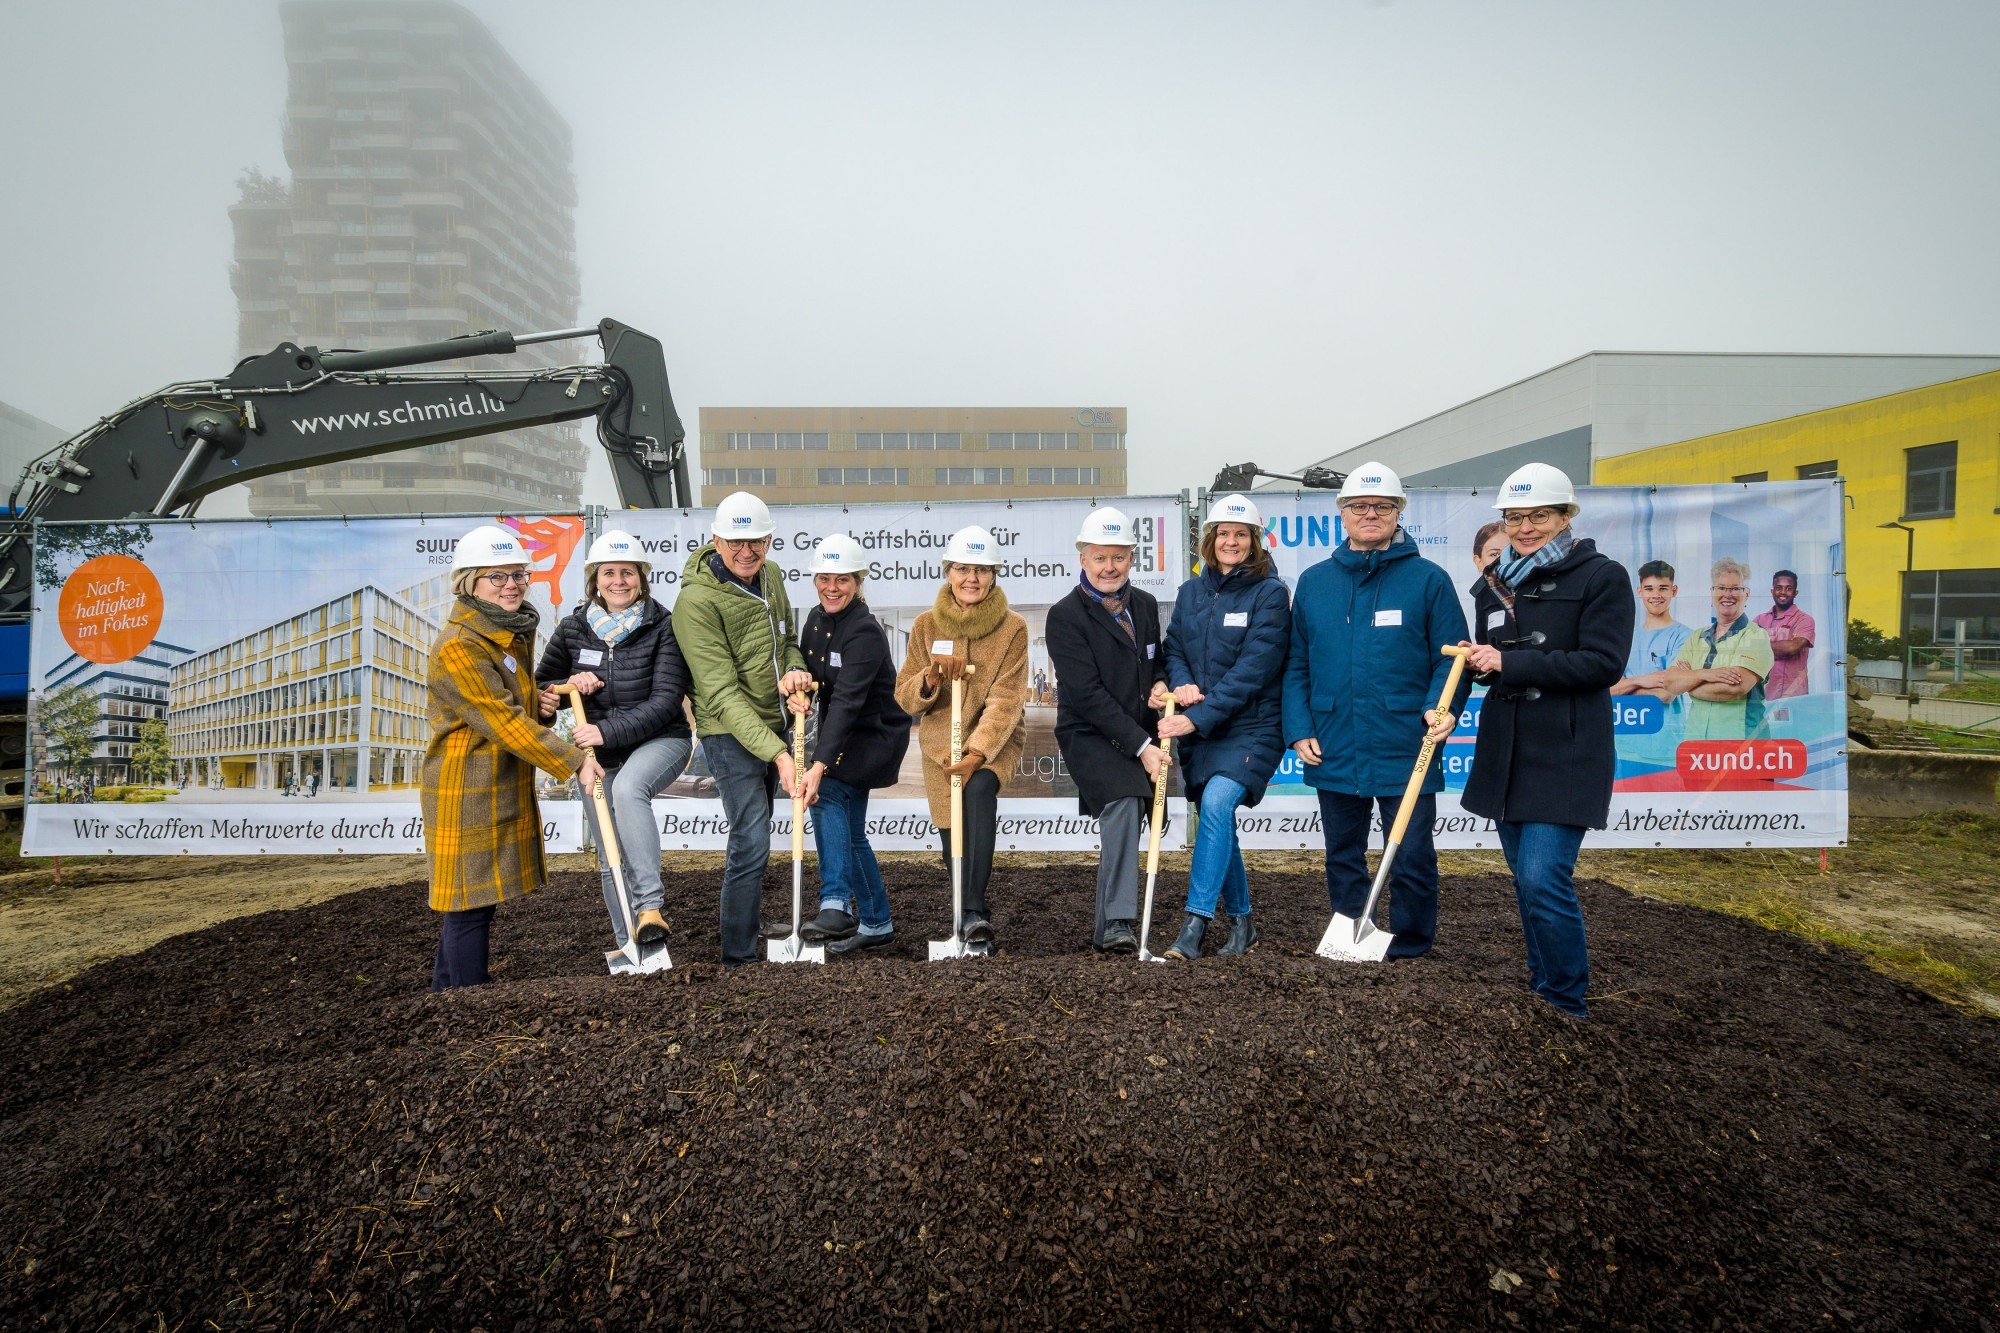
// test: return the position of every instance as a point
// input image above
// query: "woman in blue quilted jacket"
(1232, 627)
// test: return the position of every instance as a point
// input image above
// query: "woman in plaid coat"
(482, 830)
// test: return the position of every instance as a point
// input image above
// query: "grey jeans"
(1117, 864)
(746, 785)
(647, 771)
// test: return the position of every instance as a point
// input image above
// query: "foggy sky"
(1271, 231)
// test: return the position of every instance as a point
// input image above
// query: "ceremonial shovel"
(955, 947)
(1153, 845)
(1357, 940)
(634, 959)
(793, 947)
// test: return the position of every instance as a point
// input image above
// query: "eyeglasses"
(1384, 508)
(500, 579)
(744, 544)
(976, 571)
(1539, 518)
(1727, 587)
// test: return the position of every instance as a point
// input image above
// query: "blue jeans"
(848, 876)
(1216, 869)
(746, 784)
(647, 771)
(1543, 859)
(1412, 889)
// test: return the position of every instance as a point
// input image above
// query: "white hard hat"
(1234, 509)
(973, 546)
(1372, 481)
(1536, 485)
(619, 546)
(840, 554)
(488, 545)
(742, 517)
(1106, 527)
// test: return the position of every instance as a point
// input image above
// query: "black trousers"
(981, 802)
(461, 951)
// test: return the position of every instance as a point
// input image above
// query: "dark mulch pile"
(271, 1124)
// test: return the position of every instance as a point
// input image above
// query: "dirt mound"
(271, 1124)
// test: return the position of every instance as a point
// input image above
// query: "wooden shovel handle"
(1429, 747)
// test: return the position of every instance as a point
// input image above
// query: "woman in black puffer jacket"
(618, 649)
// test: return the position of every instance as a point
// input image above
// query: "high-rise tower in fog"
(430, 195)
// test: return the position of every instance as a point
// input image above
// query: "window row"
(781, 439)
(864, 476)
(906, 439)
(1064, 476)
(740, 476)
(1014, 440)
(1031, 439)
(975, 476)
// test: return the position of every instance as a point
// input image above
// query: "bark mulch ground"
(271, 1124)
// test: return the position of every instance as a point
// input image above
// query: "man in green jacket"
(733, 620)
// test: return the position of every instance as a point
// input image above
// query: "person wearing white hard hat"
(969, 625)
(618, 650)
(1554, 625)
(1364, 684)
(862, 737)
(482, 829)
(734, 621)
(1104, 641)
(1226, 646)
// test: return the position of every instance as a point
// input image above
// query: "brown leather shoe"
(652, 926)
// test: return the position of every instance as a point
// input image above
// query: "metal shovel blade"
(943, 951)
(622, 963)
(793, 949)
(1350, 941)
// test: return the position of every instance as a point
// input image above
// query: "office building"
(331, 699)
(430, 195)
(862, 455)
(128, 694)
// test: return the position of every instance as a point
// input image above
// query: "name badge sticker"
(833, 659)
(941, 648)
(1393, 617)
(1495, 619)
(588, 657)
(512, 665)
(1149, 649)
(1231, 619)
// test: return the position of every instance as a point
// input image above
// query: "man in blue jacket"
(1362, 687)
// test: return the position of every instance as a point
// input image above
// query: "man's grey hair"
(1729, 564)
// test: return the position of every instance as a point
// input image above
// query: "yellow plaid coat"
(482, 831)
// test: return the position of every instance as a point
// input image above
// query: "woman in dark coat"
(863, 733)
(618, 649)
(1104, 640)
(1226, 648)
(1554, 624)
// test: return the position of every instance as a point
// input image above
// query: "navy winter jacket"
(644, 678)
(1367, 629)
(1230, 635)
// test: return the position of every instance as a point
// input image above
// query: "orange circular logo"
(110, 608)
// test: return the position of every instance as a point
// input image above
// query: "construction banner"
(1739, 574)
(238, 687)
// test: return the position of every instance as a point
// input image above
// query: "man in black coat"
(1104, 642)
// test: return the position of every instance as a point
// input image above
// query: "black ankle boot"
(1188, 944)
(1242, 934)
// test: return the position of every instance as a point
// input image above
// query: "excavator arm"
(296, 407)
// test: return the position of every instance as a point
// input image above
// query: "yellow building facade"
(1926, 459)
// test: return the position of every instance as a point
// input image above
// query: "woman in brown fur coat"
(969, 625)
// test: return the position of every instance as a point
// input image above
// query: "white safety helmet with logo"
(1373, 481)
(1538, 486)
(488, 545)
(617, 546)
(973, 546)
(742, 517)
(840, 554)
(1106, 527)
(1234, 509)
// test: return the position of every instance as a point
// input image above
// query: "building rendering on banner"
(840, 455)
(1914, 437)
(328, 700)
(430, 195)
(128, 695)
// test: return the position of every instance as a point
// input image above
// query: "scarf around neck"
(969, 622)
(1512, 567)
(523, 621)
(614, 627)
(1114, 604)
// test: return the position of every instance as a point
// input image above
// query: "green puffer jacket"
(737, 645)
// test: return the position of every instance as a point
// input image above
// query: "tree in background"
(152, 761)
(85, 541)
(67, 716)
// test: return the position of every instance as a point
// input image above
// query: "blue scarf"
(614, 626)
(1512, 566)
